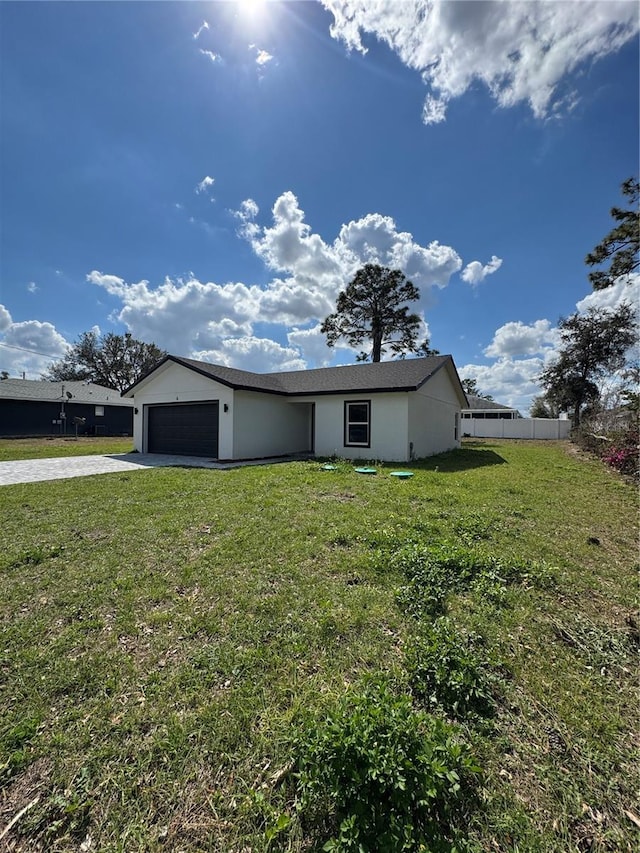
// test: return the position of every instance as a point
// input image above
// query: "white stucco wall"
(432, 416)
(388, 426)
(173, 383)
(268, 425)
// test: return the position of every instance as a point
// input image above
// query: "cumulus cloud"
(475, 272)
(511, 382)
(246, 214)
(205, 184)
(29, 346)
(626, 289)
(517, 339)
(312, 344)
(5, 319)
(521, 51)
(32, 287)
(187, 316)
(260, 355)
(289, 245)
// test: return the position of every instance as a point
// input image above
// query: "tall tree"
(470, 386)
(373, 307)
(621, 247)
(115, 361)
(593, 345)
(542, 407)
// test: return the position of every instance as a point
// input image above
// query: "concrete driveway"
(61, 468)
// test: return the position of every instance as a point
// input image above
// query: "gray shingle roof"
(402, 375)
(481, 403)
(81, 392)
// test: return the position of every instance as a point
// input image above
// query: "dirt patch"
(341, 497)
(22, 794)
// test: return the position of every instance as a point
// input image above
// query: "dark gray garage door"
(191, 429)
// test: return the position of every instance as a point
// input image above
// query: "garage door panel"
(188, 429)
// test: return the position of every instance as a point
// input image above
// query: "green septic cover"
(403, 475)
(365, 470)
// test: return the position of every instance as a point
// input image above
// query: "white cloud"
(511, 382)
(626, 289)
(205, 184)
(5, 318)
(516, 338)
(312, 344)
(203, 26)
(246, 214)
(32, 287)
(475, 272)
(262, 56)
(521, 51)
(214, 57)
(375, 239)
(29, 346)
(260, 355)
(324, 268)
(187, 316)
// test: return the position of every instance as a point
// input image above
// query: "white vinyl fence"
(539, 428)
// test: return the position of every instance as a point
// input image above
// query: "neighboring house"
(480, 408)
(394, 410)
(33, 407)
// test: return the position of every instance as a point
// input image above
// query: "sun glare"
(252, 10)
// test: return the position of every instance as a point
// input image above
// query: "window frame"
(99, 411)
(348, 423)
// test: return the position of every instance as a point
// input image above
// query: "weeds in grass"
(381, 776)
(600, 647)
(63, 815)
(448, 672)
(433, 573)
(193, 617)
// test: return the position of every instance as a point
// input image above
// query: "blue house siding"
(38, 417)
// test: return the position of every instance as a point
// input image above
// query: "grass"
(165, 631)
(44, 448)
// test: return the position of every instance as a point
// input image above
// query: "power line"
(33, 351)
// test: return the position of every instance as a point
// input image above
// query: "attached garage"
(184, 429)
(407, 408)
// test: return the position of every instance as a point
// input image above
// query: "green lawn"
(166, 634)
(44, 448)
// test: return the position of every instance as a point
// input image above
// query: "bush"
(622, 454)
(618, 448)
(384, 777)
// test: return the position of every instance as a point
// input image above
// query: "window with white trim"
(357, 423)
(99, 411)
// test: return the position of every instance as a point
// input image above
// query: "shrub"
(622, 454)
(385, 777)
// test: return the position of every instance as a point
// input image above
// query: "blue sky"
(208, 176)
